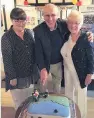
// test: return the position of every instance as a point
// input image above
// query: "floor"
(7, 112)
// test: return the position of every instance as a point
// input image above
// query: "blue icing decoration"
(47, 108)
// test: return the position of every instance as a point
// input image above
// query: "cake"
(52, 106)
(46, 106)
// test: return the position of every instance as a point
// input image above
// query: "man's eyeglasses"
(50, 15)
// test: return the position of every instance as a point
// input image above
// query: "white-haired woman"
(78, 62)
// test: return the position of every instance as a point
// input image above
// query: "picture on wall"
(31, 20)
(56, 1)
(88, 23)
(88, 13)
(43, 1)
(68, 1)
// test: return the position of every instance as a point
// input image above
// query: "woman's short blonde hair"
(75, 16)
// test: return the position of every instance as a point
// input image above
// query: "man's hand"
(90, 36)
(43, 76)
(88, 79)
(13, 82)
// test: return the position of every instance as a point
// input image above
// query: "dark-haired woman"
(18, 57)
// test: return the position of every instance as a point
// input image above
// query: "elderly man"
(49, 38)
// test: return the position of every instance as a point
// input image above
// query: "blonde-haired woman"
(78, 62)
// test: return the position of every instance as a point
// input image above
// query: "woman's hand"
(13, 82)
(88, 79)
(90, 36)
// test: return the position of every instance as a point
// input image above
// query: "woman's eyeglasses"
(74, 23)
(19, 21)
